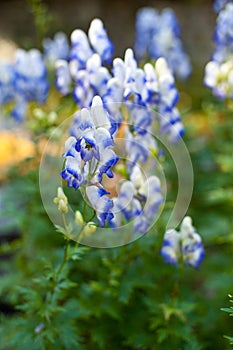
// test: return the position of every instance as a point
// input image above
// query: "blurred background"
(196, 19)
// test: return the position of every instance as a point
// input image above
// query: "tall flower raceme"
(158, 35)
(84, 73)
(219, 71)
(90, 158)
(130, 100)
(23, 81)
(185, 245)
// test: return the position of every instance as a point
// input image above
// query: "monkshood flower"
(138, 146)
(146, 24)
(219, 78)
(100, 41)
(56, 48)
(138, 199)
(90, 81)
(192, 247)
(23, 81)
(220, 4)
(83, 46)
(7, 78)
(89, 155)
(223, 35)
(63, 77)
(162, 94)
(99, 201)
(84, 73)
(171, 247)
(158, 35)
(142, 90)
(30, 80)
(31, 75)
(186, 245)
(219, 71)
(125, 86)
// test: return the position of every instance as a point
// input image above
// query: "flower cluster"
(83, 73)
(186, 245)
(219, 71)
(140, 90)
(23, 81)
(128, 102)
(158, 35)
(143, 90)
(89, 155)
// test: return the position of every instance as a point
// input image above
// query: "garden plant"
(116, 194)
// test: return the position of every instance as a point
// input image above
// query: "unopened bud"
(89, 229)
(78, 218)
(61, 201)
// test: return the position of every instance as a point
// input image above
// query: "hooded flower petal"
(98, 199)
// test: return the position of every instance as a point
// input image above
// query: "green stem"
(60, 268)
(93, 215)
(64, 223)
(84, 210)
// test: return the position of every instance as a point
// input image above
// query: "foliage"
(229, 310)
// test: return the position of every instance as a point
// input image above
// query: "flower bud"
(78, 218)
(61, 200)
(89, 229)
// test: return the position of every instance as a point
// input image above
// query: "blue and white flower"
(219, 78)
(220, 4)
(171, 247)
(186, 244)
(80, 51)
(192, 247)
(89, 156)
(63, 77)
(57, 48)
(100, 41)
(31, 75)
(147, 21)
(85, 67)
(7, 78)
(219, 71)
(23, 81)
(138, 200)
(91, 81)
(100, 202)
(223, 35)
(158, 35)
(138, 147)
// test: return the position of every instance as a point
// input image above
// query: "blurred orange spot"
(13, 149)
